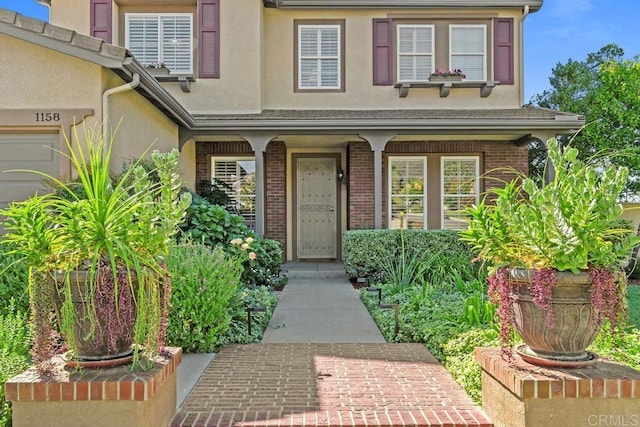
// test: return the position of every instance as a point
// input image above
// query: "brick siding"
(275, 195)
(360, 203)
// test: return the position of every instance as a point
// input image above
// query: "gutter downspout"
(525, 12)
(106, 135)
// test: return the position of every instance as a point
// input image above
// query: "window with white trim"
(239, 175)
(162, 38)
(468, 50)
(415, 52)
(319, 56)
(407, 189)
(459, 190)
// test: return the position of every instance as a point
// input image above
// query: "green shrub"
(211, 224)
(264, 269)
(459, 358)
(214, 226)
(365, 250)
(205, 282)
(633, 299)
(15, 343)
(14, 280)
(250, 297)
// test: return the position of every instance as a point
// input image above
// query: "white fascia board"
(534, 5)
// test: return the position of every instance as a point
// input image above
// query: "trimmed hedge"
(363, 250)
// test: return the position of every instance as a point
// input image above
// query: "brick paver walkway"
(327, 385)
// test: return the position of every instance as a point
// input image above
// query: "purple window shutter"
(503, 50)
(209, 39)
(382, 52)
(101, 25)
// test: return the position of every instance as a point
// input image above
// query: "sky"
(561, 30)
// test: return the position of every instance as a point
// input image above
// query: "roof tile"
(86, 42)
(58, 33)
(31, 24)
(114, 52)
(7, 16)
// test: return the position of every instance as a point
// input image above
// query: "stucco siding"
(359, 92)
(139, 124)
(71, 14)
(238, 90)
(35, 77)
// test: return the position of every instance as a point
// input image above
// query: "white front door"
(316, 207)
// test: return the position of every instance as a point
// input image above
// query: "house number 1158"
(47, 117)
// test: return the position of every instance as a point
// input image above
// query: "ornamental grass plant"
(116, 231)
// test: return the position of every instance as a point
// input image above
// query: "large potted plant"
(556, 253)
(96, 247)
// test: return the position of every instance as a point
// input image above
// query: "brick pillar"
(276, 198)
(518, 394)
(361, 200)
(96, 397)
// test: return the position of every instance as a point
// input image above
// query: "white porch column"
(259, 142)
(377, 141)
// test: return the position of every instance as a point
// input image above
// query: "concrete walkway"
(323, 362)
(321, 311)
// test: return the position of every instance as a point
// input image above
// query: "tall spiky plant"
(112, 229)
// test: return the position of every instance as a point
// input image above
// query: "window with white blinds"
(407, 191)
(415, 52)
(459, 189)
(162, 38)
(319, 57)
(240, 176)
(468, 50)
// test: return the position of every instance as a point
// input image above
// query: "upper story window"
(415, 51)
(320, 56)
(162, 38)
(468, 50)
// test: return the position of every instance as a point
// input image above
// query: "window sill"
(445, 87)
(184, 80)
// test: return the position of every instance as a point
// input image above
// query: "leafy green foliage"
(459, 358)
(97, 221)
(14, 280)
(633, 301)
(15, 342)
(604, 89)
(212, 224)
(205, 283)
(250, 297)
(216, 192)
(364, 250)
(569, 224)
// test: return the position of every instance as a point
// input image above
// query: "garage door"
(26, 151)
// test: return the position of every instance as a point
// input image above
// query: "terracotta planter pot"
(102, 344)
(573, 329)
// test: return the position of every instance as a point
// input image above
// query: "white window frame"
(235, 159)
(128, 16)
(424, 188)
(484, 52)
(476, 183)
(319, 57)
(414, 54)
